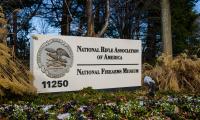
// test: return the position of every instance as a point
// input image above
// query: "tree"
(126, 18)
(183, 27)
(58, 14)
(19, 13)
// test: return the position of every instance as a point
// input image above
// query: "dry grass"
(180, 74)
(14, 77)
(2, 20)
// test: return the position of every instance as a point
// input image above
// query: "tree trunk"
(97, 21)
(137, 27)
(151, 38)
(166, 27)
(15, 30)
(65, 22)
(90, 19)
(89, 14)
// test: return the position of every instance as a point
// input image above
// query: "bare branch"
(68, 9)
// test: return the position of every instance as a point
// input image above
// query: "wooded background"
(125, 19)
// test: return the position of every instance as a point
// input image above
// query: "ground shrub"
(181, 73)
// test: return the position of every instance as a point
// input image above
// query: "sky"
(198, 7)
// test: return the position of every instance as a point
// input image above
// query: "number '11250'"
(55, 83)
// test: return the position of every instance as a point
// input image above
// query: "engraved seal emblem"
(55, 58)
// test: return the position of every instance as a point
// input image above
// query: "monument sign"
(69, 63)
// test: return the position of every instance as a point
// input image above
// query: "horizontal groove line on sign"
(103, 64)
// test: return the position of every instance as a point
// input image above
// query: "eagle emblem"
(55, 58)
